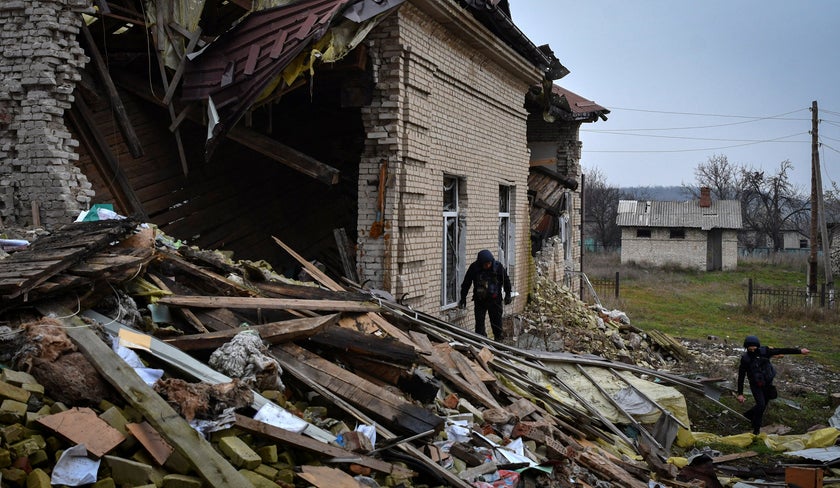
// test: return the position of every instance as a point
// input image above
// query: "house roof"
(568, 105)
(722, 214)
(236, 68)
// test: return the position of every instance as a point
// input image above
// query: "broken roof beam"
(261, 143)
(205, 460)
(123, 121)
(418, 455)
(254, 303)
(272, 333)
(158, 34)
(358, 391)
(285, 155)
(99, 149)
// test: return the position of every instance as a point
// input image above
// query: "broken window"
(643, 233)
(677, 234)
(453, 241)
(506, 234)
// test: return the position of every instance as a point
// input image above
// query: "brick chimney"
(705, 197)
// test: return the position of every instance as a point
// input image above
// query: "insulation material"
(668, 397)
(246, 357)
(202, 400)
(66, 375)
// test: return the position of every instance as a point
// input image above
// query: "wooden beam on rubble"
(204, 459)
(272, 333)
(190, 366)
(451, 478)
(358, 391)
(254, 303)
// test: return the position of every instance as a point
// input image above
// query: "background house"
(400, 125)
(700, 234)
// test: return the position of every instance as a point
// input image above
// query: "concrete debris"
(556, 320)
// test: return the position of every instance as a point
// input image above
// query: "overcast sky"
(686, 80)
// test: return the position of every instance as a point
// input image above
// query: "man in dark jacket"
(755, 366)
(488, 278)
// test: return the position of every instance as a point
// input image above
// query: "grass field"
(694, 305)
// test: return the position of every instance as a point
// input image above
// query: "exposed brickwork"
(440, 108)
(40, 63)
(565, 136)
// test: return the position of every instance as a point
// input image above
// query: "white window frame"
(507, 235)
(452, 243)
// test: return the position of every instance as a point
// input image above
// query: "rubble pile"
(556, 320)
(152, 347)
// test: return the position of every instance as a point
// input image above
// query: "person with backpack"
(488, 279)
(755, 365)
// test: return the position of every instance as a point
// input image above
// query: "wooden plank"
(273, 333)
(731, 457)
(391, 329)
(313, 271)
(444, 474)
(466, 369)
(441, 361)
(179, 72)
(186, 313)
(358, 391)
(366, 345)
(345, 251)
(157, 34)
(299, 441)
(254, 303)
(192, 367)
(203, 458)
(326, 477)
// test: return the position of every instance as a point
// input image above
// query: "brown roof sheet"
(575, 105)
(237, 67)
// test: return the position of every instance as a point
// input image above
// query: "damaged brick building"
(400, 132)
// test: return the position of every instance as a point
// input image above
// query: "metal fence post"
(750, 292)
(616, 284)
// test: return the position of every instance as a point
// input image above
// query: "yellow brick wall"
(440, 108)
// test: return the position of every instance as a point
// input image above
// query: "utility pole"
(824, 236)
(815, 169)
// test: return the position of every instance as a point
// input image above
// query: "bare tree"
(719, 175)
(770, 203)
(601, 207)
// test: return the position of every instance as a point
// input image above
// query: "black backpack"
(760, 369)
(488, 283)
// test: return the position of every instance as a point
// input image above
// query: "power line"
(690, 150)
(777, 139)
(826, 145)
(750, 120)
(779, 117)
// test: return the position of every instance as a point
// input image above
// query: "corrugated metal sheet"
(722, 214)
